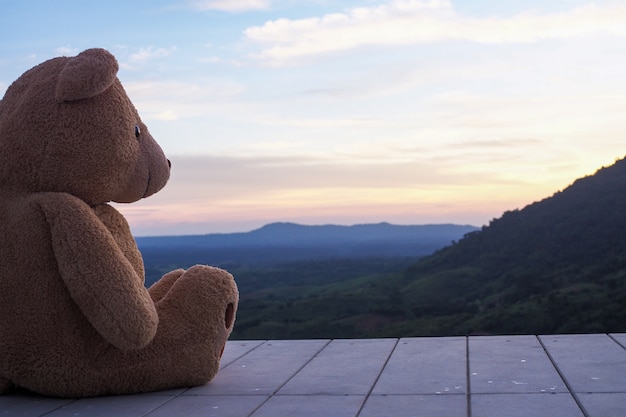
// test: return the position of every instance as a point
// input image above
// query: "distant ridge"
(285, 233)
(279, 243)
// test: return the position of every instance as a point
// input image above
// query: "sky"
(347, 112)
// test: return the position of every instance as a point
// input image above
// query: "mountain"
(287, 242)
(557, 265)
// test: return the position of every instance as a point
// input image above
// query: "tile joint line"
(562, 376)
(623, 346)
(468, 382)
(273, 393)
(60, 407)
(263, 342)
(183, 392)
(382, 369)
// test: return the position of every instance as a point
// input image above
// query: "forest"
(554, 266)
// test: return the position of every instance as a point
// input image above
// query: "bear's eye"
(137, 131)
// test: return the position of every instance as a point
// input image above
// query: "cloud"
(67, 51)
(231, 5)
(150, 52)
(408, 22)
(174, 100)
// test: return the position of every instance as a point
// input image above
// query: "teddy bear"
(76, 319)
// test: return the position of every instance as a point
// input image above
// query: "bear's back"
(33, 297)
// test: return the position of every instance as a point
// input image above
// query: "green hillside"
(556, 266)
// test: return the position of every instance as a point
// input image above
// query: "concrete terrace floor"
(476, 376)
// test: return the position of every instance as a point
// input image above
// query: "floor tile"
(263, 370)
(343, 367)
(604, 405)
(620, 337)
(435, 365)
(589, 362)
(117, 405)
(210, 406)
(501, 364)
(29, 405)
(415, 405)
(235, 349)
(311, 406)
(525, 405)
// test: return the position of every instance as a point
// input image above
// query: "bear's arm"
(101, 280)
(118, 226)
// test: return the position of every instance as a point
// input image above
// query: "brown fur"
(75, 317)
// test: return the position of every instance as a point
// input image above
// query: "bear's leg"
(196, 317)
(204, 297)
(163, 285)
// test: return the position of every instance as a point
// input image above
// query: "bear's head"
(67, 125)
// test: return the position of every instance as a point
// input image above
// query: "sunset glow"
(404, 111)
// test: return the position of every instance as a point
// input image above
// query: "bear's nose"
(169, 164)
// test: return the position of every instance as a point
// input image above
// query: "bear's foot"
(197, 309)
(206, 300)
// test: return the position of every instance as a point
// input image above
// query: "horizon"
(308, 225)
(401, 111)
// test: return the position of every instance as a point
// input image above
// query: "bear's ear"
(86, 75)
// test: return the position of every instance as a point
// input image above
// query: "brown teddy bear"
(75, 317)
